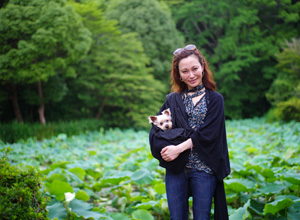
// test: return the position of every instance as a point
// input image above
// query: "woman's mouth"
(193, 81)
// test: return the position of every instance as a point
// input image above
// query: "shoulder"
(214, 93)
(173, 95)
(173, 100)
(214, 96)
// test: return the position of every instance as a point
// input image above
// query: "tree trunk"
(100, 109)
(15, 102)
(41, 109)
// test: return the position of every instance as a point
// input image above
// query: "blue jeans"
(190, 182)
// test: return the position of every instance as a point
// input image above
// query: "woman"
(194, 152)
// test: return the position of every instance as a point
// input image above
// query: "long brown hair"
(179, 86)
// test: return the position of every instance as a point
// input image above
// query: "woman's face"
(190, 70)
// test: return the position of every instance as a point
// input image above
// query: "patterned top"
(196, 115)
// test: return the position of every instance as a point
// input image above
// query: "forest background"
(110, 60)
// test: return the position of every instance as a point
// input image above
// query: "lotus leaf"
(83, 209)
(79, 172)
(240, 185)
(277, 205)
(273, 188)
(241, 213)
(142, 177)
(142, 215)
(120, 216)
(58, 188)
(82, 195)
(57, 210)
(292, 177)
(146, 205)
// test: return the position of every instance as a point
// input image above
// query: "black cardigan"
(209, 141)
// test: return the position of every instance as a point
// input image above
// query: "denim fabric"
(190, 182)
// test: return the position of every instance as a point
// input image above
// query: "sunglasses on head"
(190, 47)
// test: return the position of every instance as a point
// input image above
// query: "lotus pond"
(112, 175)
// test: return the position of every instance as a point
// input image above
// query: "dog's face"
(163, 121)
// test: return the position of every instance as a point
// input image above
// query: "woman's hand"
(171, 152)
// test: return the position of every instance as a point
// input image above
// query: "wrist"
(186, 145)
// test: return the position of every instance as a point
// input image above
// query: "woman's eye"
(195, 69)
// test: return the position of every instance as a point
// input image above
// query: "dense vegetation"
(65, 63)
(14, 132)
(110, 59)
(112, 174)
(20, 195)
(241, 40)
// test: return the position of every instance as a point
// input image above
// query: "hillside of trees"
(110, 59)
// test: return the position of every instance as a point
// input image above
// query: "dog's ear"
(167, 112)
(152, 119)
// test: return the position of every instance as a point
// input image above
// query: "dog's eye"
(167, 121)
(161, 123)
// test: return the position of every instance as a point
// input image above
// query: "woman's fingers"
(169, 153)
(163, 150)
(164, 154)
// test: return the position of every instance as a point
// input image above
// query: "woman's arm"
(171, 152)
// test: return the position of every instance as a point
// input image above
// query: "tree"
(153, 23)
(39, 40)
(284, 94)
(114, 82)
(240, 40)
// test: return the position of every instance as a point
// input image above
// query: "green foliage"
(155, 28)
(114, 81)
(263, 158)
(20, 192)
(88, 65)
(36, 40)
(14, 132)
(240, 40)
(54, 83)
(116, 176)
(288, 110)
(112, 174)
(284, 93)
(39, 40)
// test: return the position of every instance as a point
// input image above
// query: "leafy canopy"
(115, 76)
(152, 22)
(40, 39)
(240, 40)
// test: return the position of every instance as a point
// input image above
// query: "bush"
(288, 110)
(13, 132)
(270, 116)
(20, 195)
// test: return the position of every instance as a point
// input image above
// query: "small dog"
(163, 121)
